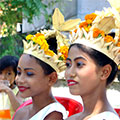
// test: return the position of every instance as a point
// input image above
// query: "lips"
(71, 82)
(22, 88)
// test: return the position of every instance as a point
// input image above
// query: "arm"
(54, 116)
(20, 114)
(15, 102)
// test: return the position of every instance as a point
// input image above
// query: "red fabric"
(72, 106)
(118, 111)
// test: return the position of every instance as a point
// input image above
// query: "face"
(8, 74)
(30, 78)
(82, 74)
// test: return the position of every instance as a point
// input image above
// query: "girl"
(92, 64)
(88, 74)
(36, 74)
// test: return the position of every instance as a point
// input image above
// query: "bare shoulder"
(54, 116)
(21, 114)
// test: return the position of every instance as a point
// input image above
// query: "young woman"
(92, 65)
(8, 71)
(88, 74)
(36, 74)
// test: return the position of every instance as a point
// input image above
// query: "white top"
(48, 109)
(105, 116)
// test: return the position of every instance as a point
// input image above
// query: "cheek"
(0, 76)
(91, 77)
(66, 74)
(12, 78)
(87, 73)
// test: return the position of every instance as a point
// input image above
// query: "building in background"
(70, 9)
(89, 6)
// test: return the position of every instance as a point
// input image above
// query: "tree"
(11, 13)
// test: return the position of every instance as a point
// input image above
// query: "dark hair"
(47, 68)
(9, 61)
(100, 59)
(52, 42)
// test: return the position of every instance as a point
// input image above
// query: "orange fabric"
(5, 114)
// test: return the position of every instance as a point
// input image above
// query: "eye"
(68, 64)
(18, 72)
(80, 64)
(30, 73)
(9, 73)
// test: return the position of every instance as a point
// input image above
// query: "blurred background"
(19, 18)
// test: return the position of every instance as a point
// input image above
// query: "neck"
(95, 102)
(42, 100)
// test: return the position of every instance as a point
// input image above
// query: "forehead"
(10, 69)
(27, 61)
(76, 52)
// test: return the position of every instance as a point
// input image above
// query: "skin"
(37, 85)
(89, 82)
(9, 74)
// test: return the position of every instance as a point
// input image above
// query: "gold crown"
(37, 44)
(94, 32)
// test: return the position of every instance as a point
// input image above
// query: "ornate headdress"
(94, 31)
(37, 45)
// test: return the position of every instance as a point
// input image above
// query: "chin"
(73, 92)
(24, 96)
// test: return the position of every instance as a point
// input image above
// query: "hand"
(3, 87)
(6, 82)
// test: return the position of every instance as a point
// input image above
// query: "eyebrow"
(80, 57)
(26, 68)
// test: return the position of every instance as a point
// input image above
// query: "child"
(8, 71)
(92, 64)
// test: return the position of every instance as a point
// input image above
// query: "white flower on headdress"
(115, 4)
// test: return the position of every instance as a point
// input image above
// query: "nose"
(70, 72)
(19, 79)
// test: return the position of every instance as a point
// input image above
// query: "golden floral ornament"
(64, 52)
(37, 46)
(94, 33)
(60, 24)
(115, 4)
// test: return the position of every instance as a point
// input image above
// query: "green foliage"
(11, 45)
(11, 13)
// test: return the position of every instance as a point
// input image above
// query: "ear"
(106, 71)
(53, 78)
